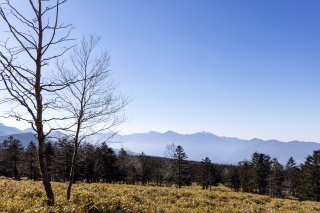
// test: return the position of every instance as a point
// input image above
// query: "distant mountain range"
(25, 136)
(7, 130)
(228, 150)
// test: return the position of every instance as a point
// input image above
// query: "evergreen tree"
(122, 163)
(63, 158)
(246, 175)
(132, 169)
(310, 177)
(206, 173)
(88, 162)
(261, 169)
(234, 178)
(181, 167)
(49, 155)
(145, 168)
(276, 179)
(158, 170)
(3, 161)
(32, 161)
(216, 175)
(107, 159)
(291, 177)
(13, 154)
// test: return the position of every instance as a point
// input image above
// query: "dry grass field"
(28, 196)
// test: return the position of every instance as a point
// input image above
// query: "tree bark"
(39, 125)
(71, 177)
(33, 37)
(44, 171)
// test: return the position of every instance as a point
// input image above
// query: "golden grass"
(28, 196)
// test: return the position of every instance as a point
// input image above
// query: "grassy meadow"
(28, 196)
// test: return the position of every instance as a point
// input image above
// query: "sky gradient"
(248, 69)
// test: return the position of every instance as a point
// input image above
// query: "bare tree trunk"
(74, 156)
(91, 101)
(39, 125)
(22, 61)
(44, 171)
(73, 164)
(179, 173)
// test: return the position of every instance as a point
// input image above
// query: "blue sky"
(235, 68)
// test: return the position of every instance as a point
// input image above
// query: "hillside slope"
(29, 196)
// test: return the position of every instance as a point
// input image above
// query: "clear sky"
(235, 67)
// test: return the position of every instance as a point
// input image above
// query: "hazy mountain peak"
(171, 132)
(153, 132)
(256, 139)
(7, 130)
(204, 133)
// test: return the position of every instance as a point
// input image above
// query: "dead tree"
(92, 101)
(35, 38)
(168, 168)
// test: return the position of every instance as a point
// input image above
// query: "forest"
(101, 164)
(55, 79)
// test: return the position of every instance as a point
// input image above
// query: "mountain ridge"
(220, 149)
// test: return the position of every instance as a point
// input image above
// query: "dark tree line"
(102, 164)
(262, 174)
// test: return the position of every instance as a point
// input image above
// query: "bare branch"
(90, 100)
(22, 69)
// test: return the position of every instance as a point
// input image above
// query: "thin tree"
(170, 150)
(291, 177)
(180, 166)
(89, 162)
(49, 153)
(246, 175)
(206, 173)
(276, 179)
(122, 163)
(145, 168)
(234, 178)
(168, 170)
(91, 102)
(35, 40)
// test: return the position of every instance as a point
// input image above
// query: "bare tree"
(35, 39)
(92, 102)
(168, 170)
(170, 150)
